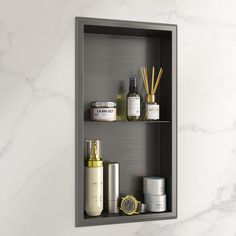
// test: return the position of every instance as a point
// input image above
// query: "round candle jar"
(154, 185)
(155, 203)
(103, 111)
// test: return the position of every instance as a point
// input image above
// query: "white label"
(133, 106)
(152, 111)
(103, 114)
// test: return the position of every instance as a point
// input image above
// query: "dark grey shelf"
(108, 52)
(107, 218)
(129, 122)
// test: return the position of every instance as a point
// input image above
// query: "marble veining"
(37, 115)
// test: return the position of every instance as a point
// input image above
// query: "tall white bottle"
(94, 179)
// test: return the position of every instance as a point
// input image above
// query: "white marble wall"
(37, 115)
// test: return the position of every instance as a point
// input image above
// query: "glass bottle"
(121, 103)
(133, 101)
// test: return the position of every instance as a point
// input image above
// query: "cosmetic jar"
(155, 203)
(103, 111)
(154, 185)
(154, 193)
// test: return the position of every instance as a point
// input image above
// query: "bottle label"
(133, 106)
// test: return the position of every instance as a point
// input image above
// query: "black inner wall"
(112, 59)
(165, 88)
(135, 146)
(166, 112)
(166, 161)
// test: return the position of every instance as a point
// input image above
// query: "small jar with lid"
(155, 198)
(103, 111)
(152, 109)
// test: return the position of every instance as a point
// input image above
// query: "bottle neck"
(132, 85)
(150, 98)
(132, 89)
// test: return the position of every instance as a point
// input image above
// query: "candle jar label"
(103, 114)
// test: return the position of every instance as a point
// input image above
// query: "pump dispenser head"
(94, 153)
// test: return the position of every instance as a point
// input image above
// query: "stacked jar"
(154, 194)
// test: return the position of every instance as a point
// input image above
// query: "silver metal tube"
(113, 187)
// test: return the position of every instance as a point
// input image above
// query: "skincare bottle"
(94, 179)
(151, 108)
(133, 101)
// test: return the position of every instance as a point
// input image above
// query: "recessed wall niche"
(106, 52)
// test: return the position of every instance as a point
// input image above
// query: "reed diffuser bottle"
(151, 108)
(94, 179)
(133, 101)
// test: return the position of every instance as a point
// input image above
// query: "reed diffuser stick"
(158, 80)
(144, 80)
(153, 74)
(146, 76)
(154, 85)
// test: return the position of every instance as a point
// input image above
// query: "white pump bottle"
(94, 179)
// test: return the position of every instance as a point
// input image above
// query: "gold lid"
(150, 98)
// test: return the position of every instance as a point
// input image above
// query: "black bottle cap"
(132, 85)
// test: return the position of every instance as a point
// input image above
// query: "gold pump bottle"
(94, 179)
